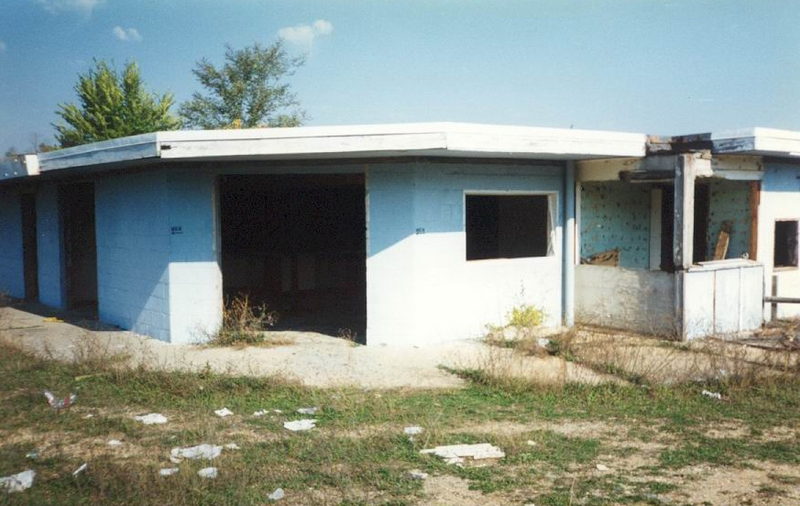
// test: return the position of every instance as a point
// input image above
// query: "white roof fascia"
(758, 141)
(124, 149)
(410, 139)
(454, 139)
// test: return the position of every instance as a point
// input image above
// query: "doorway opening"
(76, 205)
(297, 243)
(30, 256)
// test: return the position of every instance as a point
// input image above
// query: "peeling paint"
(616, 215)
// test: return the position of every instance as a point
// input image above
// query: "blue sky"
(655, 66)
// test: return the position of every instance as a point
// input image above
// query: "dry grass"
(246, 324)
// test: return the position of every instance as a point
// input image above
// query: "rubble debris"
(208, 472)
(168, 471)
(86, 417)
(114, 442)
(32, 455)
(260, 412)
(457, 454)
(18, 482)
(59, 404)
(151, 418)
(608, 258)
(713, 395)
(416, 474)
(202, 451)
(232, 446)
(222, 413)
(543, 342)
(80, 469)
(276, 495)
(530, 442)
(308, 411)
(299, 425)
(602, 467)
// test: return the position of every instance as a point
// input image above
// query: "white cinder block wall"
(195, 278)
(12, 281)
(420, 287)
(779, 201)
(157, 255)
(48, 247)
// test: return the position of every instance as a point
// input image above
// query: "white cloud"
(304, 35)
(126, 34)
(2, 47)
(84, 6)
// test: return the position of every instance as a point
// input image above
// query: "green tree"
(112, 105)
(247, 91)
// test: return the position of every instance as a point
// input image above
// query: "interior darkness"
(76, 203)
(506, 226)
(701, 210)
(785, 244)
(29, 249)
(298, 244)
(667, 228)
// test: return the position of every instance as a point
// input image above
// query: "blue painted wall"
(48, 231)
(12, 281)
(613, 215)
(133, 244)
(420, 287)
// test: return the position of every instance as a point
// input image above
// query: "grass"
(553, 436)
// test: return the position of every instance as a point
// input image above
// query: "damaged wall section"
(728, 202)
(616, 215)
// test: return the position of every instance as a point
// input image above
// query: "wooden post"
(755, 201)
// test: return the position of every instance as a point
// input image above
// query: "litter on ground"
(416, 474)
(713, 395)
(151, 418)
(222, 413)
(602, 467)
(80, 469)
(308, 411)
(114, 442)
(298, 425)
(207, 472)
(232, 446)
(59, 404)
(32, 455)
(456, 454)
(414, 430)
(203, 451)
(18, 482)
(276, 495)
(168, 471)
(543, 342)
(260, 412)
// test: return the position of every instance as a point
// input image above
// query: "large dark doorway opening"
(30, 255)
(298, 244)
(76, 203)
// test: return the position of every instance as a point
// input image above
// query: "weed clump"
(244, 323)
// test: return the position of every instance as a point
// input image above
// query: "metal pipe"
(782, 300)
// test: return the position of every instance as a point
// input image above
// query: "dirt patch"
(446, 490)
(728, 485)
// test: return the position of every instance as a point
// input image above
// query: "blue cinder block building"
(410, 234)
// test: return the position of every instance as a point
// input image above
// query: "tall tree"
(112, 105)
(247, 91)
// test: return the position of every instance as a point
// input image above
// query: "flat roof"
(386, 140)
(346, 141)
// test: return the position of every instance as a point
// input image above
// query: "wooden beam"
(755, 201)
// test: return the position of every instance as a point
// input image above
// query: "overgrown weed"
(246, 324)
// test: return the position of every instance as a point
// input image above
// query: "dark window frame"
(547, 202)
(786, 258)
